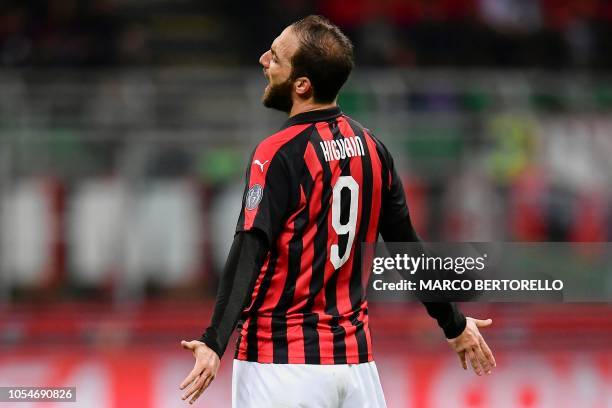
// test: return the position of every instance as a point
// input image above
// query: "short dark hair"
(324, 55)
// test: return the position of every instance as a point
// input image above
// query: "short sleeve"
(266, 195)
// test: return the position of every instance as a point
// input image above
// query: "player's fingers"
(188, 380)
(189, 390)
(197, 384)
(474, 361)
(461, 355)
(202, 389)
(207, 382)
(488, 353)
(483, 323)
(196, 395)
(482, 359)
(191, 376)
(190, 345)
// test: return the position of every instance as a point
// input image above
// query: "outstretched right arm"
(396, 226)
(239, 275)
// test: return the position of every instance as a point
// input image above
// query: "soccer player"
(315, 191)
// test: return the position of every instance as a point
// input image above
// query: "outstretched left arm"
(461, 332)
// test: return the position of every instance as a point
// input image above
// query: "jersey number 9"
(351, 225)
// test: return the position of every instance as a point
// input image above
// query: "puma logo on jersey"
(342, 148)
(260, 164)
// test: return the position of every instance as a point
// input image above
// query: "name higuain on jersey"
(342, 148)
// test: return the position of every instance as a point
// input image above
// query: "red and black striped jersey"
(317, 189)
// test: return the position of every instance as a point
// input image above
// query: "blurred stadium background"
(125, 126)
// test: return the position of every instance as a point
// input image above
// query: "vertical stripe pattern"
(306, 308)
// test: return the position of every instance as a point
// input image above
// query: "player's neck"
(301, 107)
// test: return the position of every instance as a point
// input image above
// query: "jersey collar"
(318, 115)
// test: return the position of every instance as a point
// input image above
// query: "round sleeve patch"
(253, 197)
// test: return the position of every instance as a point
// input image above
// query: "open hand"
(471, 344)
(204, 370)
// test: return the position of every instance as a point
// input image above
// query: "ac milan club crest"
(253, 197)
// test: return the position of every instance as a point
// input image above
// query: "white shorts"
(257, 385)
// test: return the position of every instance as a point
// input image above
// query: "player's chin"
(266, 95)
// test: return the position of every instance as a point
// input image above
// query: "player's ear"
(303, 87)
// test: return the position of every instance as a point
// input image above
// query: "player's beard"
(279, 96)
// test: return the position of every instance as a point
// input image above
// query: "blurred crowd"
(550, 34)
(129, 182)
(69, 33)
(132, 176)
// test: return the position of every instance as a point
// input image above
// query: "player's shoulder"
(367, 132)
(273, 143)
(278, 146)
(354, 123)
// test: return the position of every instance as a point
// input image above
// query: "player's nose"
(264, 60)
